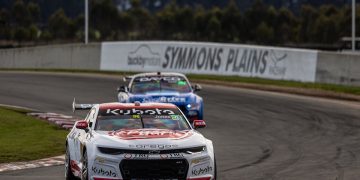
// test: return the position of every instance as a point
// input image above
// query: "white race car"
(138, 141)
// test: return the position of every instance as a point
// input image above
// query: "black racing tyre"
(215, 169)
(68, 173)
(84, 169)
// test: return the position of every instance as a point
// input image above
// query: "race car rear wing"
(127, 78)
(81, 106)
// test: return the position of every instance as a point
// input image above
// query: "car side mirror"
(122, 89)
(199, 124)
(197, 87)
(82, 125)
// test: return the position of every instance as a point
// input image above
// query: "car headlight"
(195, 150)
(112, 151)
(192, 106)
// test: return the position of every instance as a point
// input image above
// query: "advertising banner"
(210, 58)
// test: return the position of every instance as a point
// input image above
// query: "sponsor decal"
(240, 60)
(154, 146)
(142, 56)
(133, 134)
(136, 156)
(165, 99)
(160, 78)
(171, 156)
(201, 170)
(103, 171)
(252, 61)
(163, 117)
(207, 58)
(139, 111)
(100, 159)
(153, 155)
(276, 69)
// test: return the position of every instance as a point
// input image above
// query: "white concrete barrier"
(195, 58)
(70, 56)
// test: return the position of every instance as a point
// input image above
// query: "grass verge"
(24, 138)
(230, 79)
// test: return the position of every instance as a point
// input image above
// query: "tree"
(143, 21)
(21, 14)
(34, 11)
(232, 23)
(104, 16)
(264, 33)
(60, 25)
(286, 26)
(308, 16)
(213, 27)
(21, 34)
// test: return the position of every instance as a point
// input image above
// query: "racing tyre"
(215, 169)
(84, 169)
(68, 173)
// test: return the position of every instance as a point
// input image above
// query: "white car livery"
(138, 141)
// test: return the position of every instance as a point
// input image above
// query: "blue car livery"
(164, 88)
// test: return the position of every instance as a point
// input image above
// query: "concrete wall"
(338, 68)
(331, 67)
(71, 56)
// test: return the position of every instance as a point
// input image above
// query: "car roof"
(116, 105)
(161, 74)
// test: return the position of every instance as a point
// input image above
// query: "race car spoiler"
(127, 78)
(81, 106)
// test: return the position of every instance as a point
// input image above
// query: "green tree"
(60, 25)
(286, 26)
(232, 23)
(104, 16)
(34, 11)
(144, 22)
(264, 33)
(21, 14)
(5, 31)
(21, 34)
(308, 16)
(213, 28)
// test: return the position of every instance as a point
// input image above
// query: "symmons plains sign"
(207, 58)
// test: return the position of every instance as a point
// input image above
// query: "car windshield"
(141, 85)
(116, 119)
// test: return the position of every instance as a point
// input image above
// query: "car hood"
(149, 139)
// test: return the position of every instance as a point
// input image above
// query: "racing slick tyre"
(215, 169)
(68, 173)
(84, 169)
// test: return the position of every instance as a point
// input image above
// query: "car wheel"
(215, 169)
(68, 173)
(84, 169)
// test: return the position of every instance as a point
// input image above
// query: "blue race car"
(164, 88)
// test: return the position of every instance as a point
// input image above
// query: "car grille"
(115, 151)
(154, 169)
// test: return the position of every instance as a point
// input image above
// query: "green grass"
(25, 138)
(231, 79)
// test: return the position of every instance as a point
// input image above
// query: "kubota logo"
(150, 134)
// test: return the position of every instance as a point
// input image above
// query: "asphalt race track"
(257, 135)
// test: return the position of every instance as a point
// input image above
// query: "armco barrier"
(338, 68)
(71, 56)
(210, 58)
